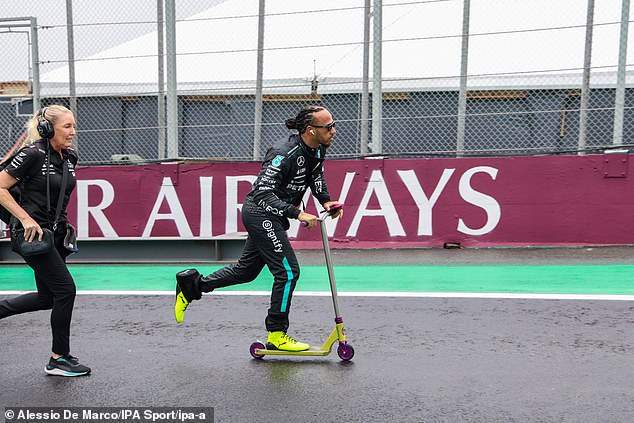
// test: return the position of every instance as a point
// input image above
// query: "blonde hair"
(52, 114)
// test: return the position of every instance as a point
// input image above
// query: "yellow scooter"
(344, 350)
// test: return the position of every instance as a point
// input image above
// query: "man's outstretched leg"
(191, 285)
(187, 290)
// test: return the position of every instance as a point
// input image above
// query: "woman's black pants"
(55, 292)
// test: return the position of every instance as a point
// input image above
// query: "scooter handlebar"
(333, 209)
(330, 212)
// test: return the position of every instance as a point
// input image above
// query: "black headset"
(44, 127)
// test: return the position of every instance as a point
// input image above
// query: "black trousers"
(267, 244)
(55, 292)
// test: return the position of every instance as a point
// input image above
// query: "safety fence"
(212, 79)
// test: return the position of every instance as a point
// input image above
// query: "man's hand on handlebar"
(307, 219)
(334, 209)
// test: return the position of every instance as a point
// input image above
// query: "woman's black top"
(29, 168)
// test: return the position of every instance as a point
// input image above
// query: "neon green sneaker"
(180, 305)
(187, 290)
(281, 341)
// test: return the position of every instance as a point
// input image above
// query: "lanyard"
(62, 188)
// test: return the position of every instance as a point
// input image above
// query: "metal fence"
(213, 79)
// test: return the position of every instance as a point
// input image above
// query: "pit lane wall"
(476, 202)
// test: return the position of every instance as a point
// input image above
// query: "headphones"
(44, 127)
(312, 132)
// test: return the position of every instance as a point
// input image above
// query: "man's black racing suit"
(288, 170)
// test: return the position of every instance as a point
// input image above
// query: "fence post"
(35, 63)
(619, 100)
(257, 126)
(172, 99)
(365, 93)
(585, 82)
(160, 18)
(70, 39)
(462, 97)
(377, 91)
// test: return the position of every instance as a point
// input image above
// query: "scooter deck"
(310, 352)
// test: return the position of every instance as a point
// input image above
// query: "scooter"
(345, 351)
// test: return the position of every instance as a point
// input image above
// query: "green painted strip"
(547, 279)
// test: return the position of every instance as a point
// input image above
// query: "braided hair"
(303, 118)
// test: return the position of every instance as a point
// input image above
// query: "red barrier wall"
(507, 201)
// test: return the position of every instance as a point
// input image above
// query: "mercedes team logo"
(300, 161)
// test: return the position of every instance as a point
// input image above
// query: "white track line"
(526, 296)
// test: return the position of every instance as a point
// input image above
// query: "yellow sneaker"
(180, 305)
(186, 292)
(281, 341)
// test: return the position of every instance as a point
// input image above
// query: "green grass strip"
(546, 279)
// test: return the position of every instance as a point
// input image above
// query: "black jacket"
(289, 168)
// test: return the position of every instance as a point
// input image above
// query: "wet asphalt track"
(417, 360)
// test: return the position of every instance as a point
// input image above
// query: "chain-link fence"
(214, 79)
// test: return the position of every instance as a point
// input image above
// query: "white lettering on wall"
(377, 186)
(231, 182)
(168, 193)
(83, 210)
(490, 206)
(425, 205)
(205, 205)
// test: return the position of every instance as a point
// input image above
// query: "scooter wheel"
(345, 352)
(256, 346)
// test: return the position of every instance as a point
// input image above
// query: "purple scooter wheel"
(256, 346)
(345, 351)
